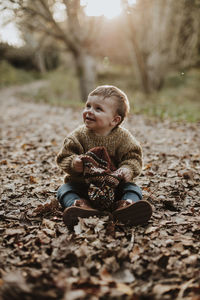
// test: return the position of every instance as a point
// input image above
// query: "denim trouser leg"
(129, 191)
(69, 192)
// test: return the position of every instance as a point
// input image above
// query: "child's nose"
(90, 109)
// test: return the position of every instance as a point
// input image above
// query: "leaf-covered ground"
(40, 258)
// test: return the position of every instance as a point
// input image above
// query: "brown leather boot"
(81, 209)
(136, 213)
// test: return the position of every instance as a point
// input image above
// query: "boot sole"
(71, 215)
(134, 214)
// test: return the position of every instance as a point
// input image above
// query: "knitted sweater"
(123, 149)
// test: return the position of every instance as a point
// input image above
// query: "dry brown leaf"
(33, 179)
(124, 288)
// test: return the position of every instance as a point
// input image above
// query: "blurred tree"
(65, 21)
(30, 57)
(162, 34)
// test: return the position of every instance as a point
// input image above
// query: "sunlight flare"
(109, 9)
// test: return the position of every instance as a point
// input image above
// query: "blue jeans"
(69, 192)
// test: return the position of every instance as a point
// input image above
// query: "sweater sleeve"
(130, 154)
(71, 148)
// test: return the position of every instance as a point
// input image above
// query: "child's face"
(100, 114)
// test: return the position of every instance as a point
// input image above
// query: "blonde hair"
(110, 91)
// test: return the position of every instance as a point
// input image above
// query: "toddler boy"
(104, 111)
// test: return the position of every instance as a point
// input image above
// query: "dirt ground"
(100, 259)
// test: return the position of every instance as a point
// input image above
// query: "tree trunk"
(86, 72)
(136, 55)
(141, 67)
(163, 34)
(39, 60)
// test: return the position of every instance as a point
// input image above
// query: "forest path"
(101, 259)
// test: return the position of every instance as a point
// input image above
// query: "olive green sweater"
(123, 148)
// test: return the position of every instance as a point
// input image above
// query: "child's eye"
(99, 108)
(88, 105)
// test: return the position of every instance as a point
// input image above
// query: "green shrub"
(11, 76)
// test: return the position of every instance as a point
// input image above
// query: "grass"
(62, 90)
(178, 100)
(12, 76)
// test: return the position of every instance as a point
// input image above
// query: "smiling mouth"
(89, 119)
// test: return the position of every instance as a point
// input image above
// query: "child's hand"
(77, 164)
(124, 173)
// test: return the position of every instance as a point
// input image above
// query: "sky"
(108, 8)
(8, 30)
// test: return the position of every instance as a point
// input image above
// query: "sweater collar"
(111, 134)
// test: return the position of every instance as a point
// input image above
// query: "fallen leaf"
(124, 288)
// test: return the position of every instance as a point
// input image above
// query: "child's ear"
(116, 120)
